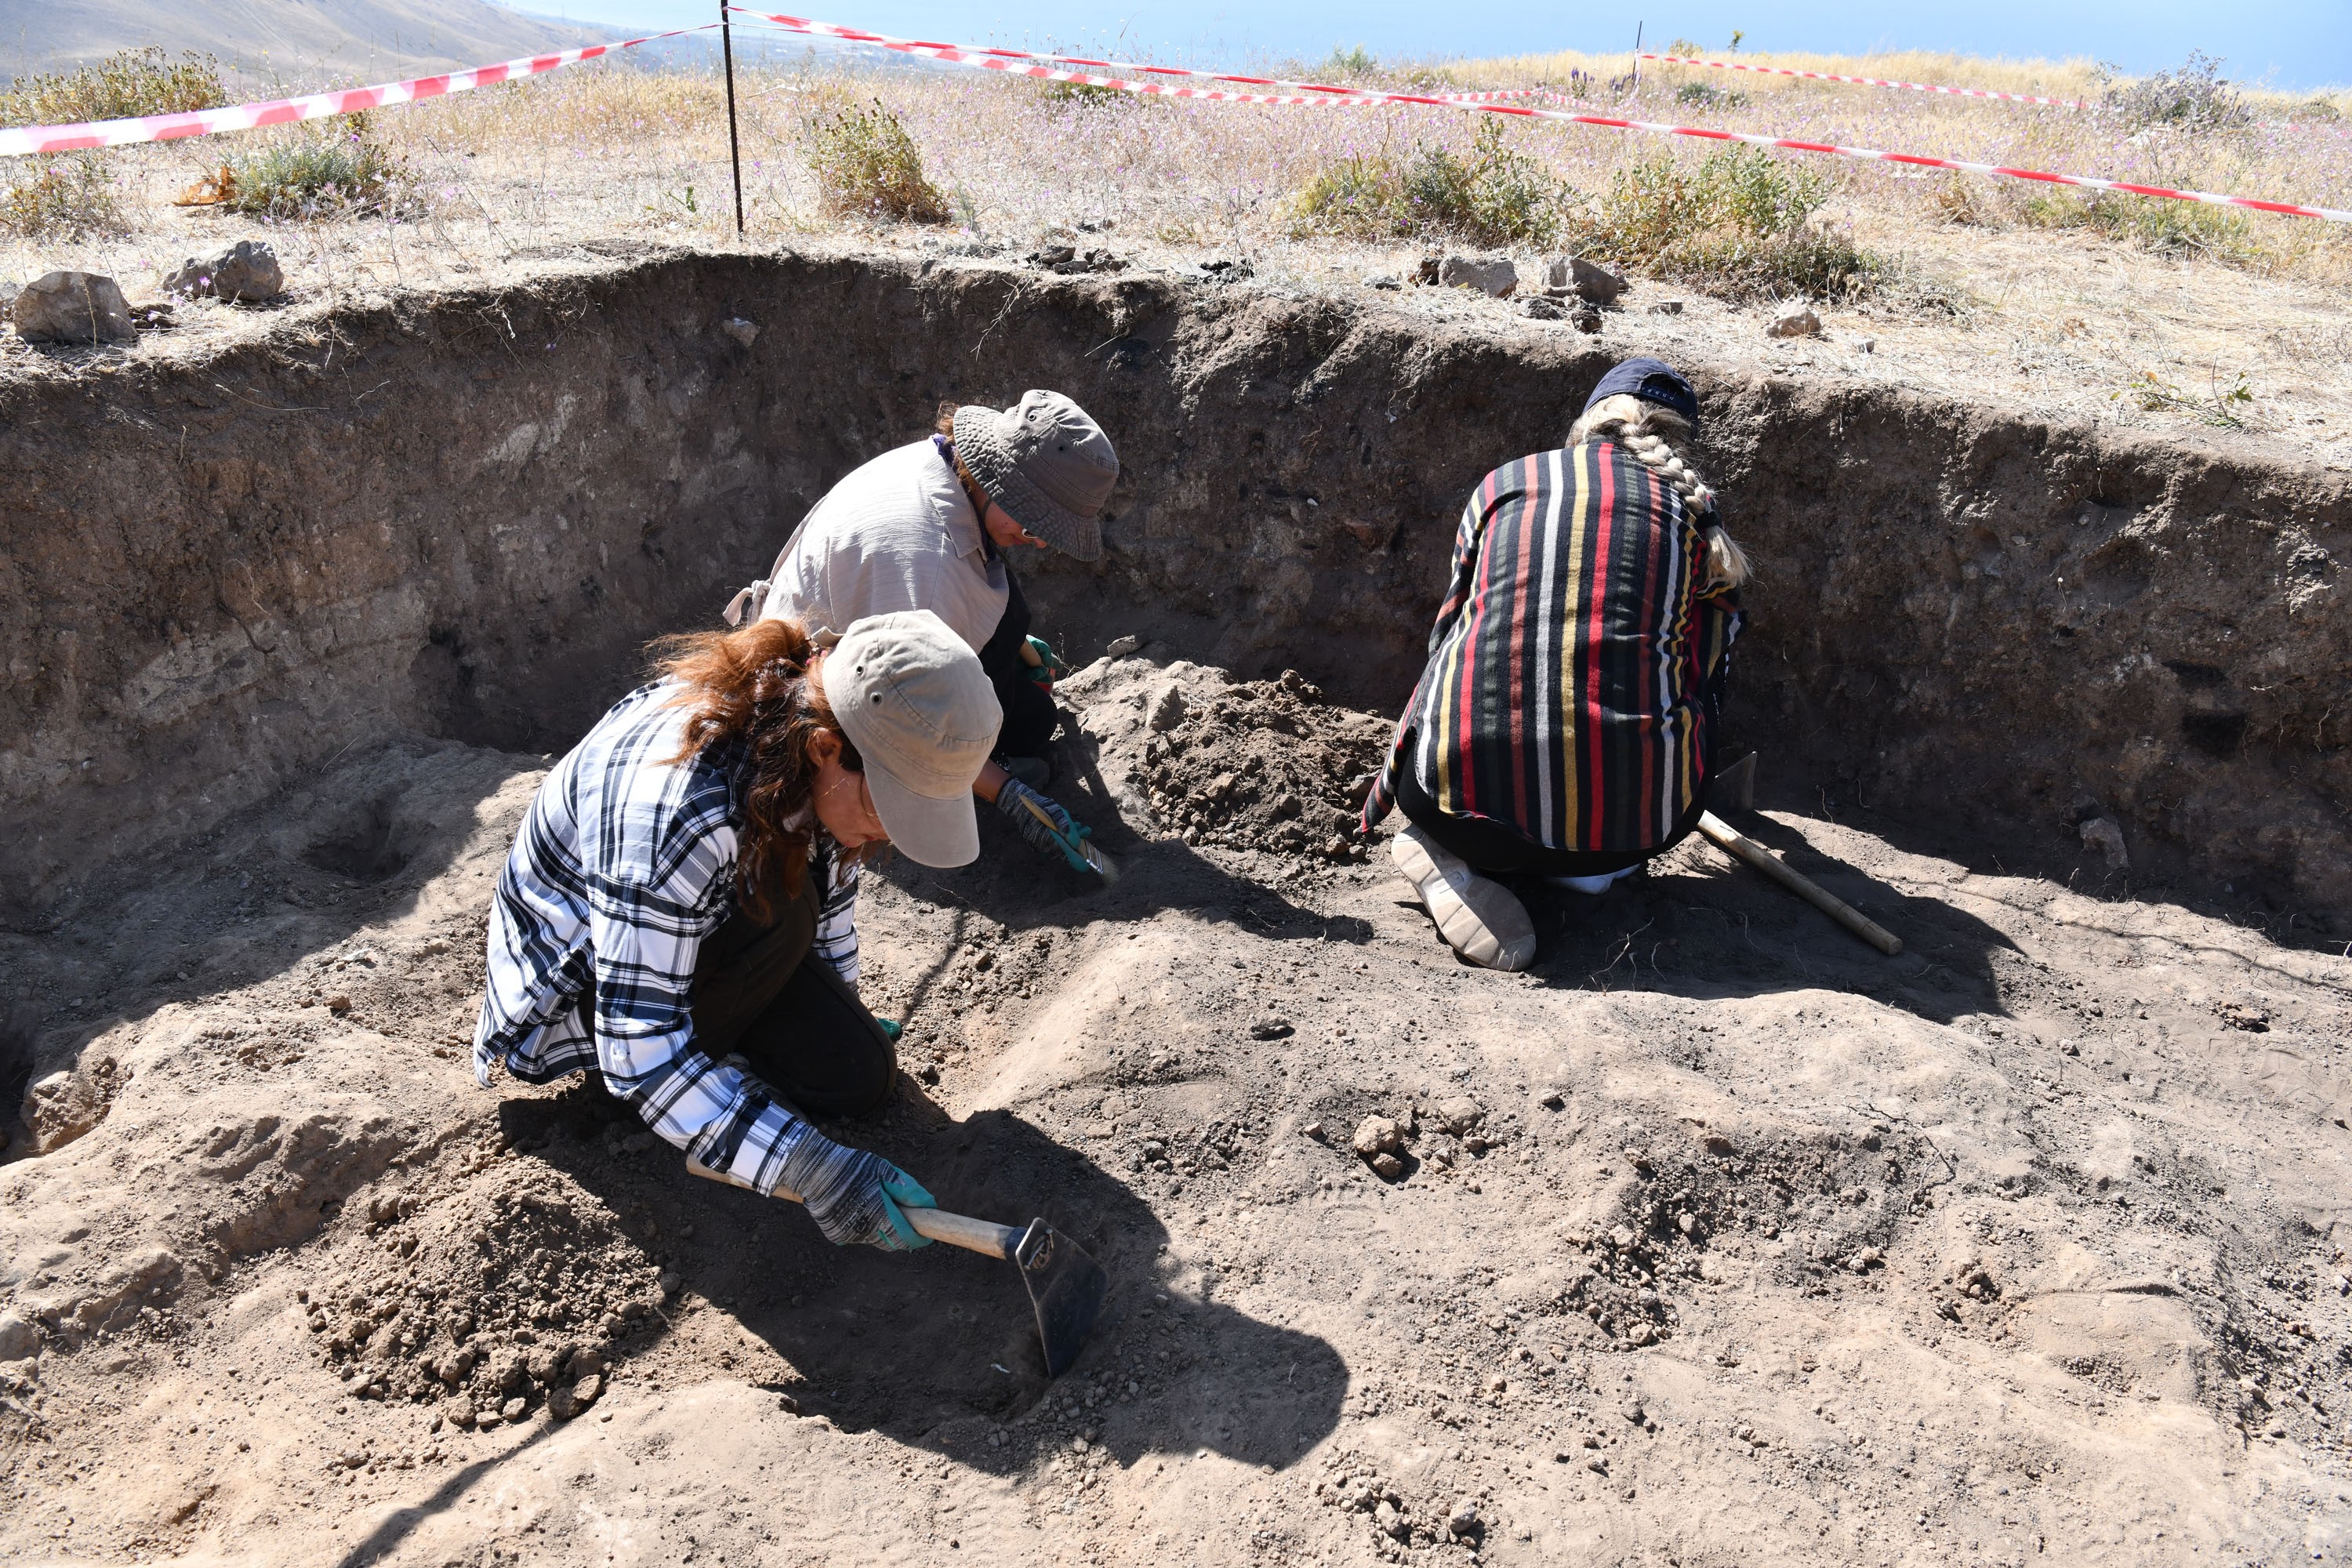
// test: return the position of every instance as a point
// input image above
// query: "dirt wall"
(464, 514)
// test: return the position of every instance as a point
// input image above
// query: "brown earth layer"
(460, 515)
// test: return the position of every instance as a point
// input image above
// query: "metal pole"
(734, 147)
(1637, 57)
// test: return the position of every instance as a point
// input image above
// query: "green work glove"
(1049, 666)
(1056, 832)
(901, 1191)
(890, 1028)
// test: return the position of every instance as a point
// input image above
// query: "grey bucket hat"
(1045, 461)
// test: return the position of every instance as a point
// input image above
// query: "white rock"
(1463, 1520)
(1793, 322)
(1120, 647)
(742, 332)
(18, 1337)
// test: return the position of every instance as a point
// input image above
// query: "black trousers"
(758, 990)
(1498, 851)
(1029, 714)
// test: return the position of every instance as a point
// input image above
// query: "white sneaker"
(1591, 886)
(1479, 918)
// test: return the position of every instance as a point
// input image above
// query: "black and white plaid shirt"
(625, 864)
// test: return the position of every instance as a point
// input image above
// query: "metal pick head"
(1065, 1289)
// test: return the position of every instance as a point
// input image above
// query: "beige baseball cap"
(911, 697)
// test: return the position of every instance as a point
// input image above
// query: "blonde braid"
(1650, 432)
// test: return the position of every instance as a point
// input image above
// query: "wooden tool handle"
(1733, 842)
(955, 1229)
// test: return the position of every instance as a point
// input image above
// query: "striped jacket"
(1574, 668)
(625, 863)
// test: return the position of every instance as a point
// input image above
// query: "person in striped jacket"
(1566, 724)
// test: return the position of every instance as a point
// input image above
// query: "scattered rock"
(1866, 345)
(1555, 1100)
(1665, 307)
(2245, 1016)
(743, 331)
(246, 270)
(1312, 1129)
(1051, 255)
(63, 1106)
(670, 1283)
(1271, 1028)
(512, 1409)
(1589, 279)
(1465, 1520)
(1383, 280)
(1493, 276)
(1219, 270)
(1388, 1167)
(1167, 708)
(568, 1402)
(1390, 1523)
(1793, 322)
(73, 308)
(1458, 1115)
(1377, 1135)
(339, 1003)
(2101, 833)
(1586, 321)
(18, 1337)
(1536, 308)
(1120, 647)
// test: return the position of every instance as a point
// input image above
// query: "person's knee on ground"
(1479, 918)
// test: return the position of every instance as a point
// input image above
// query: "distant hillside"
(293, 44)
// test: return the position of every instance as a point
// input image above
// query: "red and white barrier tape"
(33, 139)
(1869, 81)
(1017, 62)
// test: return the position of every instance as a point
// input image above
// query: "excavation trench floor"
(1723, 1239)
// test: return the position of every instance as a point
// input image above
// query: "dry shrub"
(70, 198)
(123, 86)
(1493, 195)
(1739, 224)
(867, 166)
(2193, 99)
(342, 168)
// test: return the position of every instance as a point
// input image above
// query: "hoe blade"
(1065, 1288)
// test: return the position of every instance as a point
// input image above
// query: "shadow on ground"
(937, 1348)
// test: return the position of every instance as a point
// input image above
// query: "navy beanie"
(1652, 381)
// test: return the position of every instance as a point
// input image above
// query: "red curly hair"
(753, 686)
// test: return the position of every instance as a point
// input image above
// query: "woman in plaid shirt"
(677, 912)
(1565, 725)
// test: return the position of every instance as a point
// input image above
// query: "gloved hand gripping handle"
(955, 1229)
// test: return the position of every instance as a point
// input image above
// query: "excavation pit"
(1715, 1202)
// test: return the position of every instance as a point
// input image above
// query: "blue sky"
(2294, 42)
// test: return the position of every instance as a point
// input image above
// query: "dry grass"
(2091, 293)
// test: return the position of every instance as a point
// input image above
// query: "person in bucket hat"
(930, 526)
(679, 912)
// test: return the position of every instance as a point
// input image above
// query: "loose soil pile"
(1718, 1237)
